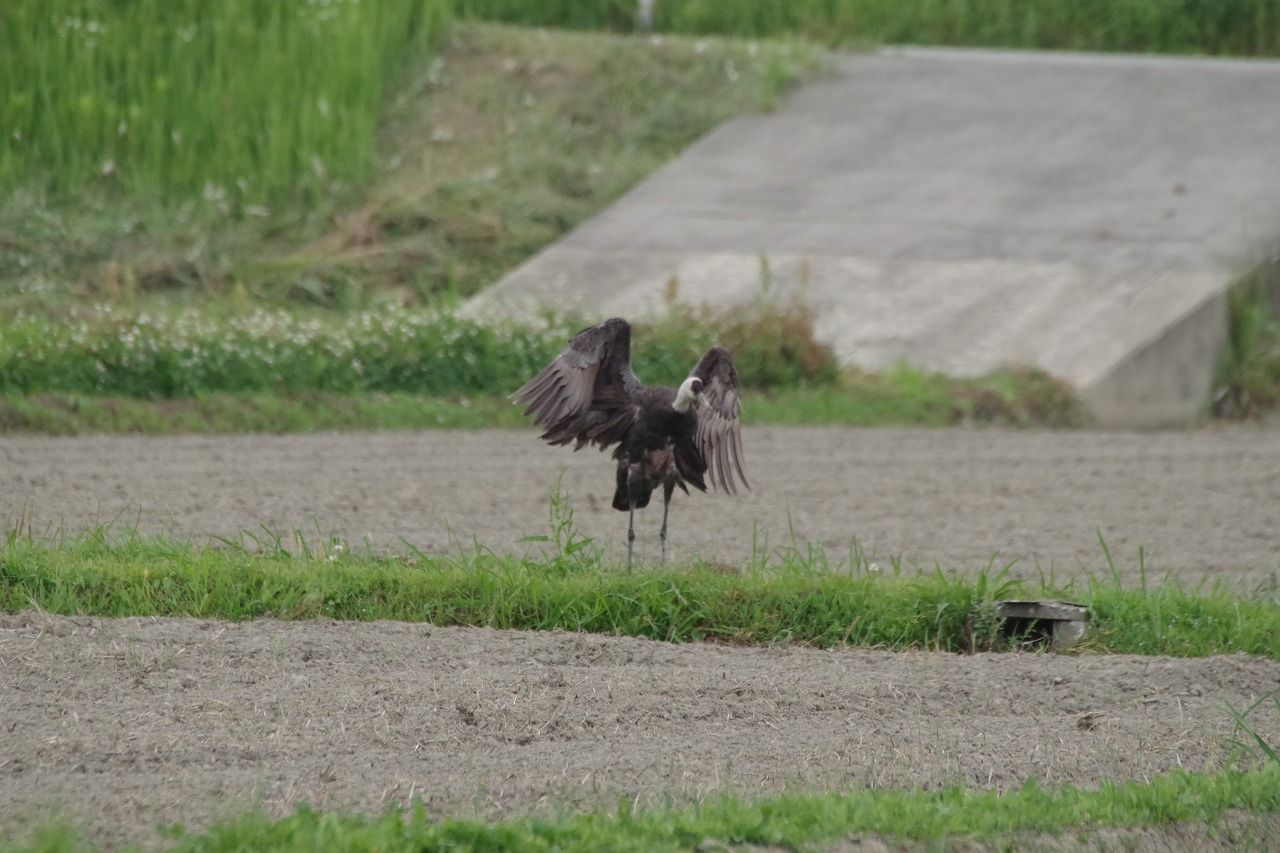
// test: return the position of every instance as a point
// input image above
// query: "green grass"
(284, 371)
(791, 821)
(69, 414)
(1243, 27)
(906, 396)
(243, 100)
(792, 594)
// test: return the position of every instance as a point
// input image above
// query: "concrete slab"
(964, 211)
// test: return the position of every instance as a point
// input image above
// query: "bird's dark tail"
(640, 488)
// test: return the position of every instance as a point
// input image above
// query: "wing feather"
(719, 432)
(585, 392)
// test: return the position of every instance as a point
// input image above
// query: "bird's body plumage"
(661, 436)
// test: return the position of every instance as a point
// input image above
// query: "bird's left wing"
(585, 393)
(719, 433)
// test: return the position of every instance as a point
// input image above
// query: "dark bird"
(670, 436)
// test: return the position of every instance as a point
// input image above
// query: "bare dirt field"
(123, 724)
(1204, 504)
(127, 723)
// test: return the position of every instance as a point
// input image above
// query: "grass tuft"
(1247, 739)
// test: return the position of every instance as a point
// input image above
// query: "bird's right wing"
(719, 432)
(585, 393)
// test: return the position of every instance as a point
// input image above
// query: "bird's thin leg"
(631, 523)
(631, 536)
(662, 534)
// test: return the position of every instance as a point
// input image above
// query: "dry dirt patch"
(128, 723)
(1202, 503)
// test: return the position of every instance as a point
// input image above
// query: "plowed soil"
(1201, 504)
(128, 723)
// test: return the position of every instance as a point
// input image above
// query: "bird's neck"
(684, 397)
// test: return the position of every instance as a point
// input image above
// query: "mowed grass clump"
(1243, 27)
(243, 100)
(793, 821)
(796, 595)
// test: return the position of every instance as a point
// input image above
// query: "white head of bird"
(689, 392)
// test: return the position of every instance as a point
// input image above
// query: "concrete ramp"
(964, 211)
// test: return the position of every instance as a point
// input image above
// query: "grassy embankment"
(396, 183)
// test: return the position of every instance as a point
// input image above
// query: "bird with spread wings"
(670, 436)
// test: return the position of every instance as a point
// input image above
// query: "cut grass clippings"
(795, 595)
(789, 821)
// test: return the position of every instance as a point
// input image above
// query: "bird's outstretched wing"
(585, 393)
(719, 434)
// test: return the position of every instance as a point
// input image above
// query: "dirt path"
(1202, 503)
(127, 723)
